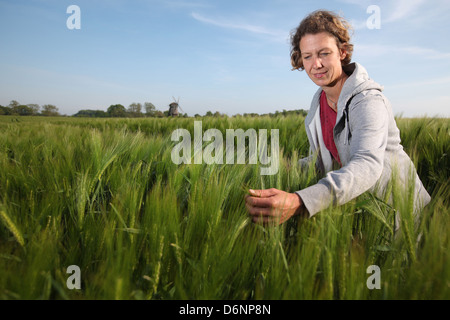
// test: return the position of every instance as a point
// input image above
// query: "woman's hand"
(273, 206)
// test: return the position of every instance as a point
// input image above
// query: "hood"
(357, 82)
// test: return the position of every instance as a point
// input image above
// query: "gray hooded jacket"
(368, 142)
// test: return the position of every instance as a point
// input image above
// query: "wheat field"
(104, 195)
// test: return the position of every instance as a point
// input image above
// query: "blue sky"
(227, 56)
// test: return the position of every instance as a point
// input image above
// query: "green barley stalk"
(158, 266)
(342, 262)
(286, 265)
(178, 253)
(12, 227)
(328, 273)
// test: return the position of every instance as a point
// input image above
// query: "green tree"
(13, 104)
(34, 107)
(91, 114)
(117, 111)
(100, 114)
(22, 110)
(149, 109)
(135, 110)
(49, 110)
(5, 110)
(304, 113)
(160, 114)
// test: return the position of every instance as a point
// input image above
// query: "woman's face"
(322, 58)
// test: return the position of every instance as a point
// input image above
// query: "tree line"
(15, 108)
(134, 110)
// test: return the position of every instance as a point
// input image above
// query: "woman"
(350, 126)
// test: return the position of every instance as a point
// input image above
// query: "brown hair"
(321, 21)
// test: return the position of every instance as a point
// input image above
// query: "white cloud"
(426, 53)
(228, 24)
(185, 4)
(402, 9)
(391, 11)
(423, 83)
(372, 50)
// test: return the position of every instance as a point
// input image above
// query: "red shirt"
(328, 121)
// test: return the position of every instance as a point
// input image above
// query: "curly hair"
(321, 21)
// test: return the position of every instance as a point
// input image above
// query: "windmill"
(173, 108)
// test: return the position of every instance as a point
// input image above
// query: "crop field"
(105, 195)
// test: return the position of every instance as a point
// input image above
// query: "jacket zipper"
(347, 122)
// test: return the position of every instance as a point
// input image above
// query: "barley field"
(104, 195)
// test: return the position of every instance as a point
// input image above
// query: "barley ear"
(11, 227)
